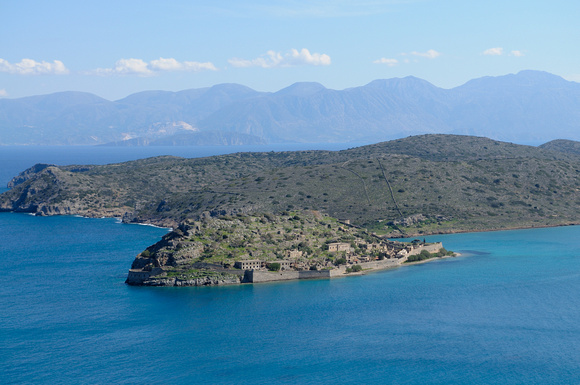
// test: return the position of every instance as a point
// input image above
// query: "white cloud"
(141, 68)
(431, 54)
(273, 59)
(3, 93)
(166, 64)
(171, 64)
(126, 67)
(517, 53)
(268, 60)
(389, 62)
(132, 66)
(32, 67)
(305, 57)
(497, 51)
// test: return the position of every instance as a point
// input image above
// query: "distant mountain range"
(530, 106)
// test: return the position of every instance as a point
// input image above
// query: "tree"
(274, 266)
(340, 261)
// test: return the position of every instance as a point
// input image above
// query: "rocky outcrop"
(27, 174)
(159, 277)
(201, 281)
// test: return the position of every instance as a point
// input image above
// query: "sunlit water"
(507, 312)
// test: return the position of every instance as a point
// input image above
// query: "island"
(258, 216)
(265, 247)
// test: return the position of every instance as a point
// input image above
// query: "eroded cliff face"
(176, 260)
(32, 190)
(170, 251)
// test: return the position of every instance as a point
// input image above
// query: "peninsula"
(410, 187)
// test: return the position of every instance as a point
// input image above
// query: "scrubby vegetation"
(417, 185)
(301, 237)
(424, 254)
(354, 269)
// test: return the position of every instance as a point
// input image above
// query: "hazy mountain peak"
(302, 89)
(65, 98)
(524, 78)
(147, 97)
(534, 74)
(232, 87)
(400, 84)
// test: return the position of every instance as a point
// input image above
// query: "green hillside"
(417, 185)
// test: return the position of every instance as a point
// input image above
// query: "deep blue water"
(507, 312)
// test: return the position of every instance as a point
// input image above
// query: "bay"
(507, 311)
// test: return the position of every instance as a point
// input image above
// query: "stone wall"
(432, 248)
(255, 276)
(137, 277)
(384, 264)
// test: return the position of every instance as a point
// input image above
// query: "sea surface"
(505, 312)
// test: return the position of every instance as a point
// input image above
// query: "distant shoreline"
(413, 235)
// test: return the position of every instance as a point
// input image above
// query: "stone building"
(248, 265)
(293, 254)
(284, 264)
(338, 246)
(255, 264)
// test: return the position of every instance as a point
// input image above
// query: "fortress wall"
(384, 264)
(256, 276)
(137, 277)
(312, 274)
(432, 248)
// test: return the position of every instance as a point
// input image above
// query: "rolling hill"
(417, 185)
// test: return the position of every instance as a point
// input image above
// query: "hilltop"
(562, 145)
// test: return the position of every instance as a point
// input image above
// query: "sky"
(116, 48)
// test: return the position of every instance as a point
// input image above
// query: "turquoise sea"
(506, 312)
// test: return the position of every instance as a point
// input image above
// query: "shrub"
(424, 254)
(340, 261)
(274, 266)
(354, 269)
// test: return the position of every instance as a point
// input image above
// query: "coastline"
(335, 274)
(158, 276)
(401, 265)
(432, 259)
(165, 224)
(461, 231)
